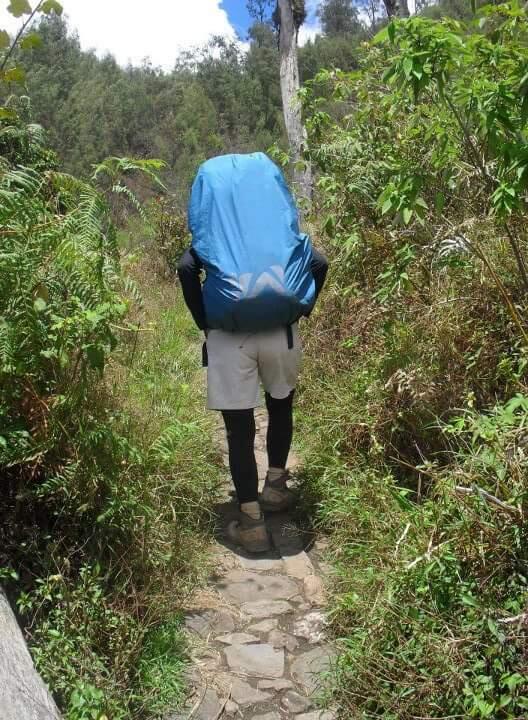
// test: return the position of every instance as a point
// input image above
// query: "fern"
(162, 449)
(60, 291)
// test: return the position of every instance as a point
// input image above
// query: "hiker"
(261, 276)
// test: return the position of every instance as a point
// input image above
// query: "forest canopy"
(218, 98)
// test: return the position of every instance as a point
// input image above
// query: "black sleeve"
(189, 269)
(319, 268)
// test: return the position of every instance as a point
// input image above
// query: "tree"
(373, 10)
(259, 10)
(289, 77)
(338, 17)
(396, 8)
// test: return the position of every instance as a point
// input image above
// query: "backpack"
(245, 231)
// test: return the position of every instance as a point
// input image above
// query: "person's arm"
(319, 268)
(189, 269)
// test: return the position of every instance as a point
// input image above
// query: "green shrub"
(416, 458)
(171, 234)
(107, 488)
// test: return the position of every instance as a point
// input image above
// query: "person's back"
(262, 276)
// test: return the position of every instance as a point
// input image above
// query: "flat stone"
(207, 659)
(23, 694)
(299, 565)
(224, 622)
(322, 544)
(268, 716)
(295, 703)
(261, 564)
(311, 627)
(210, 706)
(264, 626)
(210, 621)
(240, 586)
(261, 660)
(307, 669)
(317, 715)
(245, 695)
(281, 639)
(223, 559)
(266, 608)
(314, 590)
(231, 708)
(277, 685)
(192, 675)
(237, 639)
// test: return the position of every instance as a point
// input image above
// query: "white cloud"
(136, 29)
(308, 32)
(311, 26)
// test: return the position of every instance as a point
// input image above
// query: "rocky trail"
(257, 631)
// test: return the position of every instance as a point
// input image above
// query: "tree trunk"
(289, 79)
(397, 8)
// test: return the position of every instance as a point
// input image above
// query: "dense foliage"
(217, 99)
(102, 516)
(420, 352)
(417, 456)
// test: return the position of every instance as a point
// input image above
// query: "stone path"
(258, 629)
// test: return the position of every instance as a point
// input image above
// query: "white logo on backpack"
(265, 280)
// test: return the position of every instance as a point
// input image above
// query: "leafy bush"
(171, 234)
(417, 463)
(106, 486)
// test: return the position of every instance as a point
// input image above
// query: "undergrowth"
(107, 480)
(414, 401)
(127, 527)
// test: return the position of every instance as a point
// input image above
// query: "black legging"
(240, 428)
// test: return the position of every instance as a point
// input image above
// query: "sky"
(133, 30)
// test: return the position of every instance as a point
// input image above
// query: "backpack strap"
(289, 335)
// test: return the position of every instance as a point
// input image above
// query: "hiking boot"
(276, 496)
(251, 534)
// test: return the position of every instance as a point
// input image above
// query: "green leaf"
(15, 75)
(388, 74)
(439, 202)
(391, 31)
(407, 215)
(31, 41)
(49, 6)
(407, 66)
(39, 304)
(386, 206)
(469, 600)
(381, 36)
(5, 40)
(7, 113)
(19, 8)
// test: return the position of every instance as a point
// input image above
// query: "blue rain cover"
(245, 230)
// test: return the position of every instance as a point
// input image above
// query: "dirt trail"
(258, 628)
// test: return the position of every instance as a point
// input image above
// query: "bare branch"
(475, 490)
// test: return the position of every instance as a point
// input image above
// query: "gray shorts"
(237, 361)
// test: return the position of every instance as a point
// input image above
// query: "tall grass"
(107, 473)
